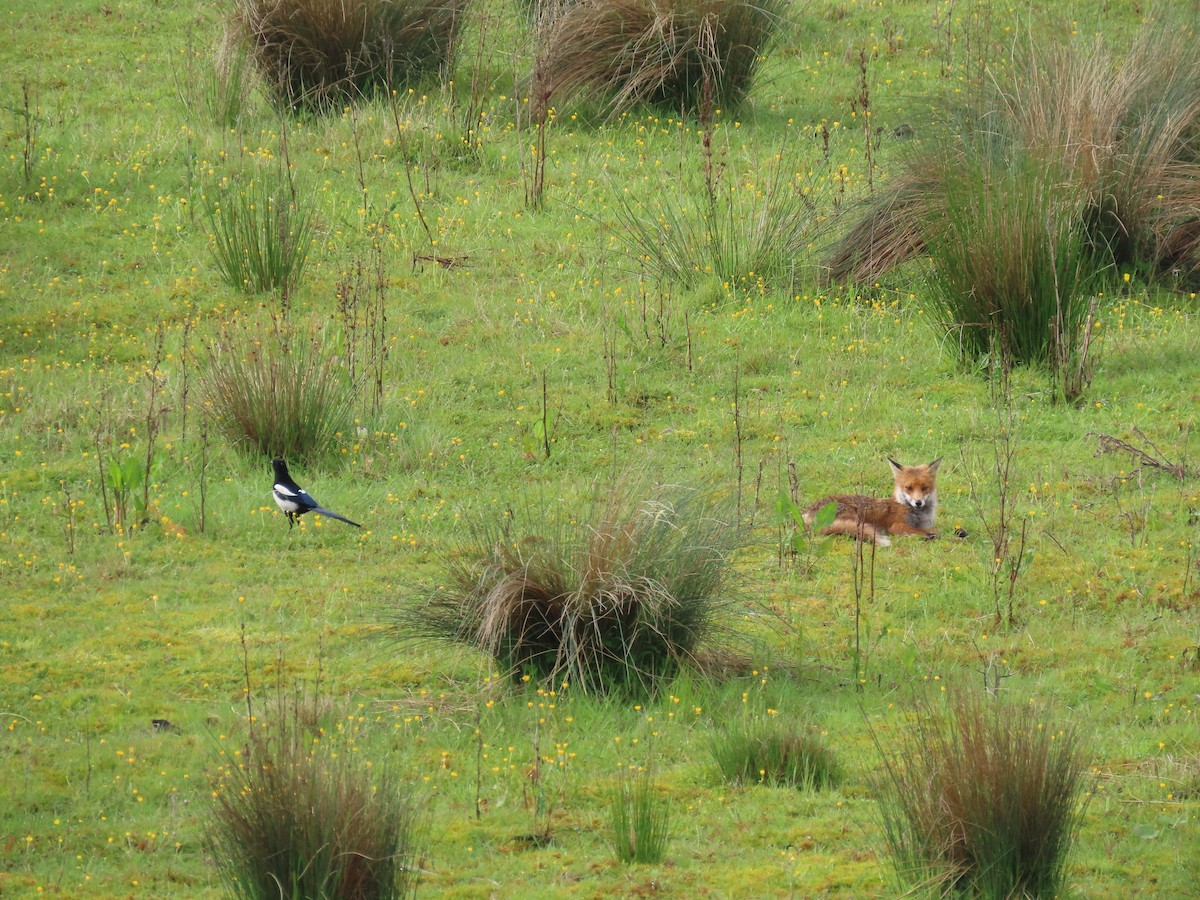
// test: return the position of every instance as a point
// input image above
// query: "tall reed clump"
(984, 799)
(1121, 133)
(774, 753)
(613, 602)
(1010, 266)
(279, 392)
(261, 230)
(680, 55)
(322, 54)
(639, 820)
(300, 815)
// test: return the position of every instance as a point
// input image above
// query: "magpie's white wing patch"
(286, 501)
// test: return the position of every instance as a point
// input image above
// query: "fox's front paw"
(960, 532)
(931, 535)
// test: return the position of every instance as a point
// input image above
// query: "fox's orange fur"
(910, 510)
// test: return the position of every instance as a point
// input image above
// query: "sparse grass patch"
(612, 602)
(230, 83)
(687, 55)
(321, 54)
(775, 753)
(755, 228)
(983, 798)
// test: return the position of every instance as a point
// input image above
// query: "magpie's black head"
(280, 465)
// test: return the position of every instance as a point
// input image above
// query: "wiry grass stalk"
(639, 820)
(230, 83)
(984, 799)
(617, 602)
(279, 393)
(665, 52)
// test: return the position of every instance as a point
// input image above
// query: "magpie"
(295, 501)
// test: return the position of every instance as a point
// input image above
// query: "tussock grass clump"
(680, 55)
(985, 799)
(773, 753)
(612, 602)
(260, 234)
(279, 393)
(639, 820)
(299, 815)
(1122, 134)
(321, 54)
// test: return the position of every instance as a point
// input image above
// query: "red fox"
(909, 511)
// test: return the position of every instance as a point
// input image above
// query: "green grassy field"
(537, 364)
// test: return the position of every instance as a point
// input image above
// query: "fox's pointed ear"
(896, 467)
(933, 466)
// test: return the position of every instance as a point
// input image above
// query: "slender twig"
(406, 157)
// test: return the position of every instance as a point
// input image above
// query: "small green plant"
(675, 54)
(300, 815)
(617, 601)
(801, 542)
(322, 54)
(639, 820)
(277, 394)
(773, 753)
(984, 798)
(127, 479)
(261, 231)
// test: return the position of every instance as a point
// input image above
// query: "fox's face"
(915, 485)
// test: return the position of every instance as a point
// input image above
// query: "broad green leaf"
(132, 471)
(788, 511)
(825, 516)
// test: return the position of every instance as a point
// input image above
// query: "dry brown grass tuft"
(681, 55)
(277, 392)
(320, 54)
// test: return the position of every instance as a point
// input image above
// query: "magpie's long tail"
(330, 514)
